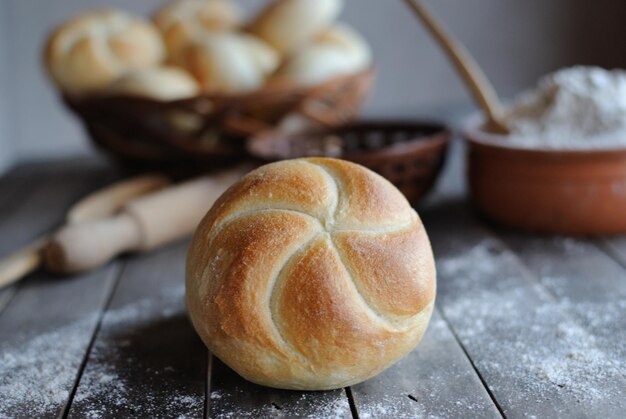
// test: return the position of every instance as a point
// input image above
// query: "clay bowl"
(408, 154)
(572, 192)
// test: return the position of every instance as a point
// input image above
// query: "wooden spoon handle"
(475, 79)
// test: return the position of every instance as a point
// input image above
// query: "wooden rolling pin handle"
(144, 223)
(82, 247)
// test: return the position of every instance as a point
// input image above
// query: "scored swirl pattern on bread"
(310, 274)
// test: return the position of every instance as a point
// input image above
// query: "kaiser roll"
(310, 274)
(336, 51)
(88, 52)
(159, 83)
(182, 21)
(230, 62)
(288, 24)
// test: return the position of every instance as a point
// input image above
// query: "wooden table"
(524, 326)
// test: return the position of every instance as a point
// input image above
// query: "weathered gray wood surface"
(435, 380)
(230, 396)
(146, 360)
(536, 359)
(47, 323)
(586, 282)
(34, 198)
(524, 326)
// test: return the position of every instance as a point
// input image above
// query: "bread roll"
(182, 21)
(85, 54)
(288, 24)
(265, 57)
(334, 52)
(230, 62)
(310, 274)
(160, 83)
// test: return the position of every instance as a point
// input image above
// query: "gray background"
(515, 41)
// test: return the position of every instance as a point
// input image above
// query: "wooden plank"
(585, 281)
(230, 396)
(534, 358)
(47, 324)
(45, 332)
(58, 187)
(147, 360)
(51, 190)
(15, 187)
(435, 380)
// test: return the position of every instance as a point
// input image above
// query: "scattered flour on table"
(331, 405)
(606, 318)
(38, 372)
(102, 391)
(574, 108)
(386, 407)
(529, 349)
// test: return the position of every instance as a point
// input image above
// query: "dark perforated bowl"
(409, 154)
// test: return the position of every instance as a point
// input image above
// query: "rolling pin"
(142, 224)
(102, 203)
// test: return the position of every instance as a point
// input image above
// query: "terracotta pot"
(547, 191)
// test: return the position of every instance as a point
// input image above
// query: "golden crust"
(297, 279)
(183, 21)
(236, 301)
(289, 24)
(85, 54)
(367, 199)
(296, 186)
(392, 269)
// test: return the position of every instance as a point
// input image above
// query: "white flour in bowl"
(574, 108)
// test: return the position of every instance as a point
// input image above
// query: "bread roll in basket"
(193, 84)
(310, 274)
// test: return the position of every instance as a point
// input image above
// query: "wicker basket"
(408, 154)
(211, 127)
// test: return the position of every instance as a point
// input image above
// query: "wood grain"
(435, 380)
(15, 187)
(147, 360)
(47, 324)
(585, 281)
(536, 360)
(45, 331)
(44, 193)
(230, 396)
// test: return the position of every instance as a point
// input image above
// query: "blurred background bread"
(294, 42)
(288, 24)
(203, 50)
(85, 54)
(182, 21)
(229, 62)
(159, 83)
(314, 290)
(335, 51)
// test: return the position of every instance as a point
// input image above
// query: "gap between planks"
(60, 184)
(469, 359)
(117, 272)
(487, 349)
